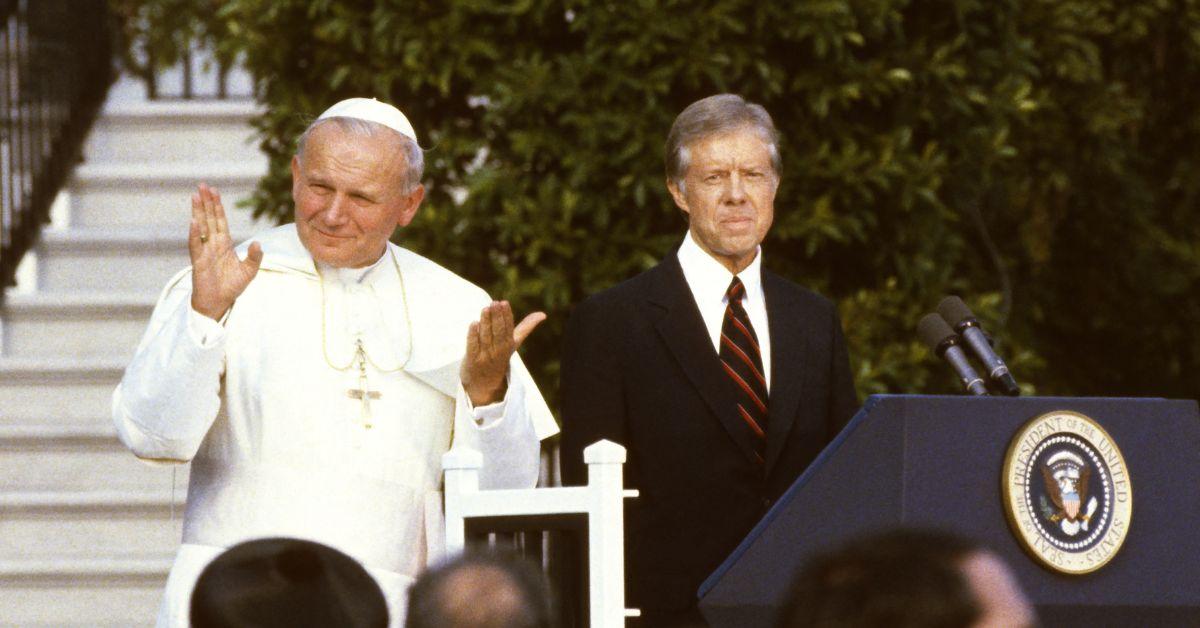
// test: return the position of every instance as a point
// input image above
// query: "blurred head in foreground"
(480, 590)
(286, 582)
(907, 579)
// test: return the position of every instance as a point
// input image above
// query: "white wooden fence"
(600, 500)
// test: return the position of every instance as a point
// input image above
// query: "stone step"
(53, 391)
(88, 532)
(67, 525)
(158, 194)
(174, 131)
(77, 457)
(82, 592)
(69, 324)
(116, 259)
(110, 259)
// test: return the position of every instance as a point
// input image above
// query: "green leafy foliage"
(1034, 156)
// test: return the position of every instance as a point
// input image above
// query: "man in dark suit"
(723, 380)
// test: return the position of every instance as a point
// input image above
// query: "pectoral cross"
(361, 392)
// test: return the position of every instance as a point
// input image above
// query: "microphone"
(960, 316)
(944, 343)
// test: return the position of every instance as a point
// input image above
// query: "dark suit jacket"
(639, 369)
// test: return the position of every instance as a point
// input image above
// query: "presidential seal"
(1067, 492)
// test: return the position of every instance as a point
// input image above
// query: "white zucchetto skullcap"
(372, 110)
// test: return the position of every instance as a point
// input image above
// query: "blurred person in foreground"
(286, 583)
(315, 376)
(722, 379)
(480, 590)
(907, 579)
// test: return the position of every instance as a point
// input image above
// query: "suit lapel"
(683, 331)
(787, 345)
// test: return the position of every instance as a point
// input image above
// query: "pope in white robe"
(315, 377)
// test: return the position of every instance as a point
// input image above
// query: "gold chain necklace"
(362, 393)
(360, 349)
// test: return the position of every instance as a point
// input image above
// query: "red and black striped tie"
(742, 360)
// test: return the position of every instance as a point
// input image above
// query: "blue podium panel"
(938, 462)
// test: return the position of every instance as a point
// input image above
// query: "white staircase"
(87, 532)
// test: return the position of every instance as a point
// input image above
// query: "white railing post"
(462, 481)
(601, 500)
(606, 533)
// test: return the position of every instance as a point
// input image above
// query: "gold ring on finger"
(203, 238)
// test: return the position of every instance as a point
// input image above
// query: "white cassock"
(267, 405)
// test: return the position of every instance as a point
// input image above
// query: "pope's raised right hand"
(218, 275)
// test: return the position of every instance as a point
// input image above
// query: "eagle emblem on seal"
(1075, 519)
(1066, 478)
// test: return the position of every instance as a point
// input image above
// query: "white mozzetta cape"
(259, 405)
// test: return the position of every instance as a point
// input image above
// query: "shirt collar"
(350, 276)
(709, 280)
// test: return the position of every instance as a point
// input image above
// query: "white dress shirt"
(708, 281)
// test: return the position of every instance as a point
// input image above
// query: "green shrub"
(1033, 156)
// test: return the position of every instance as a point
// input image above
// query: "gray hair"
(711, 116)
(414, 157)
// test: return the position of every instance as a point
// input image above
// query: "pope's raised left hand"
(491, 341)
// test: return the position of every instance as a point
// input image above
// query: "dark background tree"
(1034, 156)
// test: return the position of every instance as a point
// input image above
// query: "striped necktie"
(742, 360)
